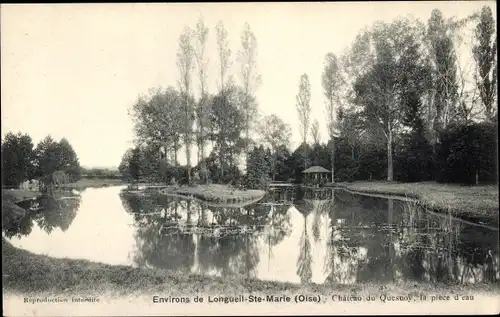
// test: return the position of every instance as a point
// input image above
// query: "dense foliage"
(48, 161)
(399, 103)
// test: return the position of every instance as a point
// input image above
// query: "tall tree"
(484, 52)
(224, 53)
(131, 165)
(398, 70)
(351, 127)
(275, 133)
(202, 107)
(226, 122)
(443, 58)
(315, 135)
(123, 167)
(250, 79)
(185, 66)
(331, 81)
(135, 164)
(258, 168)
(68, 160)
(303, 100)
(158, 121)
(17, 158)
(47, 155)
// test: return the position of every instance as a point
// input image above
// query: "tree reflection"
(18, 227)
(304, 260)
(369, 239)
(404, 241)
(189, 236)
(479, 250)
(57, 210)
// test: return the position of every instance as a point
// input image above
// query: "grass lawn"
(463, 201)
(28, 273)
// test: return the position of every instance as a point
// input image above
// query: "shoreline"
(32, 274)
(475, 203)
(17, 195)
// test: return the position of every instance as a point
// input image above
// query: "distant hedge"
(110, 176)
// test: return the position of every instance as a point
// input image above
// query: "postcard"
(322, 158)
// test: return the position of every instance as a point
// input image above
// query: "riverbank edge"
(27, 273)
(214, 194)
(488, 213)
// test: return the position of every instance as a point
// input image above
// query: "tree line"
(401, 103)
(22, 161)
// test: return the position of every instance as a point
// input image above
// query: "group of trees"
(402, 103)
(22, 161)
(170, 119)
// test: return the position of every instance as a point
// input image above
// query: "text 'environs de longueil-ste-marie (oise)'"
(310, 298)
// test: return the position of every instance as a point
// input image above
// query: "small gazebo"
(316, 175)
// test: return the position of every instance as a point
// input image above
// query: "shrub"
(413, 159)
(468, 154)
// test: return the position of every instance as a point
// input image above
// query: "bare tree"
(443, 59)
(185, 66)
(315, 132)
(331, 82)
(224, 53)
(247, 57)
(485, 51)
(303, 104)
(201, 36)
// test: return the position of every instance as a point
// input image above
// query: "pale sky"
(73, 70)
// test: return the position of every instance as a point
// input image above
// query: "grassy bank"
(462, 201)
(17, 195)
(212, 193)
(28, 273)
(215, 193)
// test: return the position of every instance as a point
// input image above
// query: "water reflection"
(319, 236)
(193, 238)
(48, 212)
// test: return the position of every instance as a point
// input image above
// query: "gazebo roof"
(316, 169)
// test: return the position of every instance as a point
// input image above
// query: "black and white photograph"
(270, 158)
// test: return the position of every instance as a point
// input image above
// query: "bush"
(413, 159)
(468, 152)
(347, 174)
(372, 164)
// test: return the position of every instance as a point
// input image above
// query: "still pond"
(333, 237)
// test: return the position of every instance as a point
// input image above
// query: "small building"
(316, 175)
